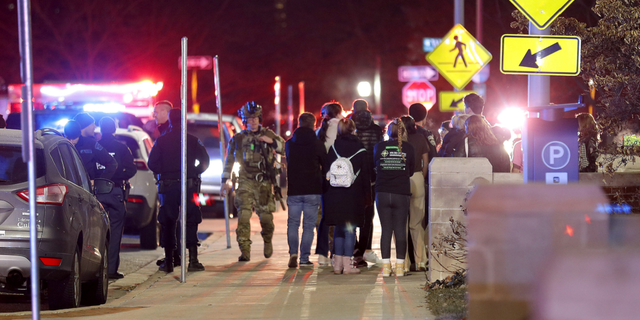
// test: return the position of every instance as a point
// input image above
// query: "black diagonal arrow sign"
(530, 60)
(454, 103)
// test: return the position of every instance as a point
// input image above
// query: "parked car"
(73, 228)
(143, 203)
(205, 127)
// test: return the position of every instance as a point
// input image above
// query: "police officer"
(126, 170)
(94, 156)
(163, 161)
(253, 150)
(161, 115)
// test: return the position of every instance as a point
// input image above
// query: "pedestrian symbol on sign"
(459, 45)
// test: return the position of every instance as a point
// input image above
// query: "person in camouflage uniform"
(253, 149)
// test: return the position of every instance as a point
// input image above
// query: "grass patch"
(447, 303)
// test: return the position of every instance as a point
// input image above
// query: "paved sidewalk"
(262, 288)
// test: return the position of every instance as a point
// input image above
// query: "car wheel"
(66, 293)
(95, 292)
(149, 234)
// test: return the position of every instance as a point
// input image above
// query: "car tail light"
(53, 262)
(140, 164)
(135, 200)
(51, 194)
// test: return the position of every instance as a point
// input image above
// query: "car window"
(207, 133)
(84, 176)
(13, 170)
(70, 168)
(57, 160)
(132, 144)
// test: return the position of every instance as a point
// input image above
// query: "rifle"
(271, 172)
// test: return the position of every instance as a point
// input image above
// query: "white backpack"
(341, 171)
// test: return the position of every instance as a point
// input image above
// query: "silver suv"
(73, 228)
(205, 127)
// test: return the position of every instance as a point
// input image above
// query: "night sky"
(330, 45)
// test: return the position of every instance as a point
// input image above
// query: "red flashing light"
(51, 262)
(135, 200)
(569, 231)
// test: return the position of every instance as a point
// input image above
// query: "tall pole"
(28, 147)
(276, 101)
(290, 109)
(223, 151)
(538, 95)
(301, 96)
(183, 164)
(458, 12)
(377, 87)
(479, 20)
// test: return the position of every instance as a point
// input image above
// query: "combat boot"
(194, 264)
(245, 253)
(268, 249)
(167, 265)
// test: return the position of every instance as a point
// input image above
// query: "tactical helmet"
(250, 109)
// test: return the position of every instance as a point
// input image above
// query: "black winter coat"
(126, 167)
(451, 142)
(369, 134)
(164, 158)
(346, 205)
(305, 157)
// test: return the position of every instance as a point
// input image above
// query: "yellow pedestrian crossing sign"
(540, 55)
(541, 12)
(459, 56)
(451, 101)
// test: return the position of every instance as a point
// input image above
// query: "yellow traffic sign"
(541, 12)
(541, 55)
(451, 101)
(459, 56)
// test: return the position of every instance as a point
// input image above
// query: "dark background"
(330, 45)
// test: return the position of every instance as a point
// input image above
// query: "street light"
(364, 88)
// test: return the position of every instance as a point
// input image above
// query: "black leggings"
(393, 210)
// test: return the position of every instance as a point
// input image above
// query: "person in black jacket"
(369, 134)
(163, 161)
(455, 138)
(343, 207)
(125, 171)
(305, 157)
(92, 153)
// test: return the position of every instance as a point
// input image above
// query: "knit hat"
(72, 129)
(418, 112)
(107, 126)
(84, 119)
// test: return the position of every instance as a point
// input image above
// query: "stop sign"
(419, 92)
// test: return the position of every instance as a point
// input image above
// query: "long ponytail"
(398, 131)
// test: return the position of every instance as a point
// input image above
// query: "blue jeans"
(344, 239)
(306, 206)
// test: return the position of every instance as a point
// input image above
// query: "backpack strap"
(357, 173)
(334, 150)
(363, 149)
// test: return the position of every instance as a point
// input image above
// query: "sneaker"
(293, 261)
(399, 271)
(323, 261)
(306, 264)
(422, 267)
(371, 256)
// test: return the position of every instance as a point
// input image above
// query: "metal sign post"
(183, 164)
(28, 147)
(223, 152)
